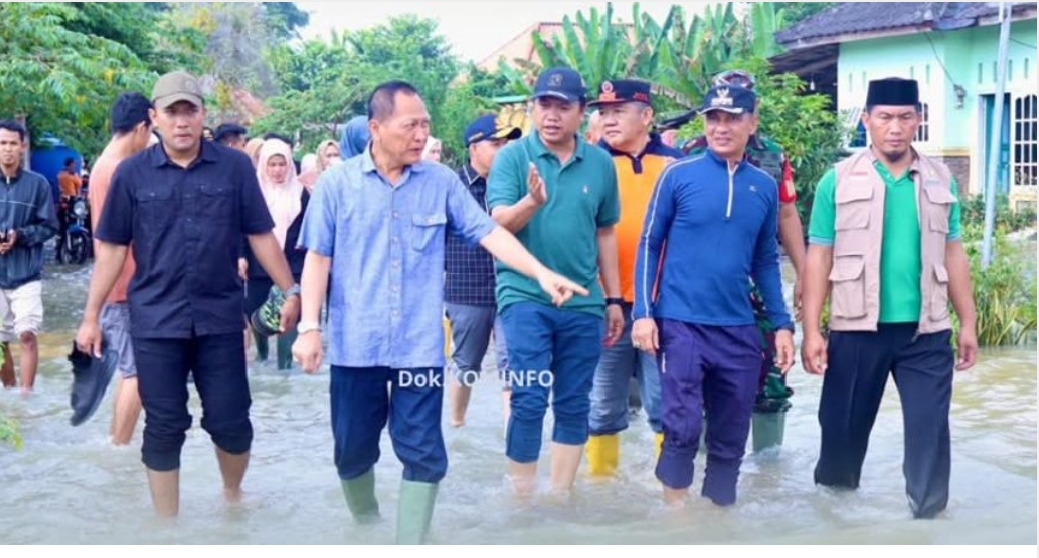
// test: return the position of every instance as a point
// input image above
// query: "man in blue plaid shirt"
(469, 283)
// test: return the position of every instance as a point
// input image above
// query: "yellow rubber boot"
(658, 438)
(603, 454)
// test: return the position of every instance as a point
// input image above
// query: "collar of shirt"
(368, 166)
(469, 175)
(17, 176)
(914, 167)
(754, 142)
(654, 146)
(724, 162)
(539, 150)
(207, 153)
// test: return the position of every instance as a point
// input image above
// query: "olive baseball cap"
(176, 86)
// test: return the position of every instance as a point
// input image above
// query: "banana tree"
(596, 47)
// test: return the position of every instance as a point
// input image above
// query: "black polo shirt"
(186, 226)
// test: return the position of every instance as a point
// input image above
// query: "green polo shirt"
(582, 197)
(900, 248)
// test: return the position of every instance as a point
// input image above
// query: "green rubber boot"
(285, 342)
(263, 347)
(415, 511)
(360, 497)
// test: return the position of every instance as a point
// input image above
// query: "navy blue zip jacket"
(716, 229)
(27, 208)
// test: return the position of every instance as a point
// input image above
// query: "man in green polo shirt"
(558, 195)
(885, 245)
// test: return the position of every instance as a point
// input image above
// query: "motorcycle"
(78, 242)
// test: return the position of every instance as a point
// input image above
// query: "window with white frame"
(923, 132)
(1025, 144)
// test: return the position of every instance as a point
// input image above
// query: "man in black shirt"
(184, 205)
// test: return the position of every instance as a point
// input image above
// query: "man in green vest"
(885, 246)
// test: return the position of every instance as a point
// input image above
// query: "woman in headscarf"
(252, 149)
(355, 137)
(431, 152)
(327, 157)
(287, 202)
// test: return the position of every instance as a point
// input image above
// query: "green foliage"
(318, 95)
(236, 42)
(810, 134)
(1005, 291)
(792, 13)
(696, 52)
(63, 81)
(9, 432)
(462, 106)
(973, 213)
(595, 46)
(284, 19)
(800, 122)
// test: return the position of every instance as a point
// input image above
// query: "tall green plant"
(1005, 291)
(679, 56)
(595, 46)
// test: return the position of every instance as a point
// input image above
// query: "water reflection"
(68, 485)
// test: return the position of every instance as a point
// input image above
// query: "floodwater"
(69, 485)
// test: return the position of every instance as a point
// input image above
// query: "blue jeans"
(412, 400)
(609, 413)
(550, 350)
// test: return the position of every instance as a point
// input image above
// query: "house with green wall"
(951, 49)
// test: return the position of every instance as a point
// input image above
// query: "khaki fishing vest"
(855, 275)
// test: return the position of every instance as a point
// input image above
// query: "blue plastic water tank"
(48, 158)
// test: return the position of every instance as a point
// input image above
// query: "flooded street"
(69, 485)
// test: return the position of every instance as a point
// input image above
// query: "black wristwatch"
(612, 300)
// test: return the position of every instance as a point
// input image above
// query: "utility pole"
(995, 138)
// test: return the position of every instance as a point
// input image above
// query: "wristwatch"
(304, 327)
(612, 300)
(292, 291)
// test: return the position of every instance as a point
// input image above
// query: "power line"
(1022, 43)
(939, 58)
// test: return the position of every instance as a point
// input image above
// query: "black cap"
(622, 91)
(487, 127)
(893, 91)
(561, 83)
(730, 99)
(229, 128)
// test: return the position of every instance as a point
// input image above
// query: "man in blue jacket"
(27, 220)
(716, 214)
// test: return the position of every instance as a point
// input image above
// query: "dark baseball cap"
(560, 83)
(730, 99)
(174, 87)
(487, 127)
(229, 128)
(622, 91)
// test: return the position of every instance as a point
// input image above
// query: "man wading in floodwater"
(376, 225)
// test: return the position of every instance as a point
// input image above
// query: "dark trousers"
(217, 366)
(363, 399)
(706, 372)
(859, 363)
